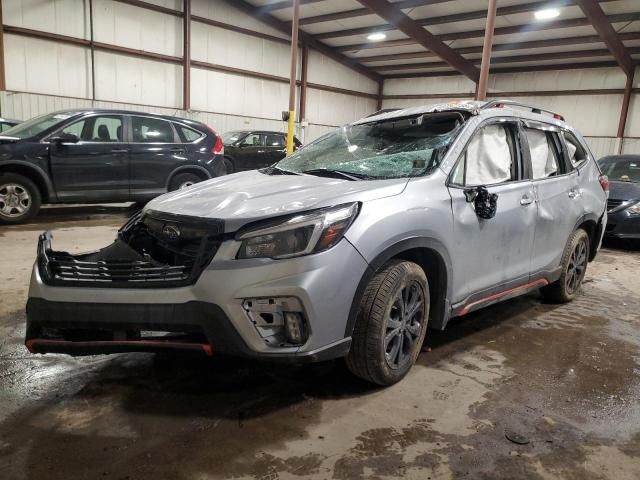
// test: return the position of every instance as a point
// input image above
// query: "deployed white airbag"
(543, 160)
(488, 157)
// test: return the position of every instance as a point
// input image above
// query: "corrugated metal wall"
(39, 72)
(596, 116)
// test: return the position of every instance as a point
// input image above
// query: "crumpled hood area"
(244, 197)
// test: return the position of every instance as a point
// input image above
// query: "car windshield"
(36, 125)
(394, 148)
(230, 138)
(623, 170)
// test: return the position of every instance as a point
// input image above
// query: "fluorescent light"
(547, 14)
(376, 37)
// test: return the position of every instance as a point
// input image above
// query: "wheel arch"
(34, 173)
(431, 255)
(195, 169)
(591, 224)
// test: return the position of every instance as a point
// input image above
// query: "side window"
(253, 139)
(275, 140)
(544, 157)
(4, 126)
(75, 129)
(106, 129)
(488, 158)
(151, 130)
(577, 154)
(188, 134)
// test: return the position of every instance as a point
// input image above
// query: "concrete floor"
(563, 380)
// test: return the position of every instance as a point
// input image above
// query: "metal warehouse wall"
(596, 112)
(48, 74)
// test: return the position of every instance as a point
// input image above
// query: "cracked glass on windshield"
(395, 148)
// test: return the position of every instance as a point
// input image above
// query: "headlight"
(634, 209)
(298, 235)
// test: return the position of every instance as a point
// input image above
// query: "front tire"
(20, 198)
(574, 267)
(391, 324)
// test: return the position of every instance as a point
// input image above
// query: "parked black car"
(252, 149)
(102, 156)
(7, 123)
(624, 195)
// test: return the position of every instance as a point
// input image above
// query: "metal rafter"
(601, 24)
(409, 27)
(310, 40)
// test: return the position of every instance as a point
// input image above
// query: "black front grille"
(613, 204)
(152, 250)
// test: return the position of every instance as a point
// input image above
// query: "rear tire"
(391, 324)
(183, 180)
(228, 163)
(20, 198)
(574, 267)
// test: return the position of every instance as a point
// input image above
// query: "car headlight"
(634, 209)
(301, 234)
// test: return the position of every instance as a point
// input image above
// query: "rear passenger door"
(492, 255)
(275, 149)
(155, 152)
(251, 152)
(555, 184)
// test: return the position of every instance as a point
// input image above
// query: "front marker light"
(299, 235)
(634, 209)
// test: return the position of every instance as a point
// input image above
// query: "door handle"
(177, 150)
(526, 200)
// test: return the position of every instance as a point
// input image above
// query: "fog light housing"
(295, 329)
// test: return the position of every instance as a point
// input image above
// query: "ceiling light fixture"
(547, 14)
(376, 37)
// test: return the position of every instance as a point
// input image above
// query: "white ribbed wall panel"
(42, 66)
(232, 49)
(128, 26)
(326, 71)
(65, 17)
(330, 108)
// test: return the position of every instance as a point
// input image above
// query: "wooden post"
(486, 51)
(628, 88)
(293, 75)
(186, 60)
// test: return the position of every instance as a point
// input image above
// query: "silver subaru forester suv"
(351, 247)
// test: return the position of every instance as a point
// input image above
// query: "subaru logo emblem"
(172, 232)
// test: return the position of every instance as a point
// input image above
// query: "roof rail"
(511, 103)
(380, 112)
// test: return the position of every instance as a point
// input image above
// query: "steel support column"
(303, 83)
(380, 94)
(481, 93)
(628, 89)
(292, 76)
(186, 56)
(3, 85)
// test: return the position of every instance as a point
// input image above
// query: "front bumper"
(209, 316)
(622, 225)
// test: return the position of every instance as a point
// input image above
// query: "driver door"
(492, 255)
(96, 167)
(251, 152)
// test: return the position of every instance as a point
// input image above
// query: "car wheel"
(574, 266)
(228, 164)
(391, 324)
(19, 198)
(183, 180)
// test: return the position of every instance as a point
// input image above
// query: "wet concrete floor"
(562, 382)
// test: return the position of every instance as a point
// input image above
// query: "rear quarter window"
(575, 151)
(188, 135)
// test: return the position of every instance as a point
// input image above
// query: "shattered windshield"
(388, 149)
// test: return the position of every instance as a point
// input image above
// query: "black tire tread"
(556, 292)
(369, 325)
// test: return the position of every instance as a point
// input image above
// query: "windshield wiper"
(325, 172)
(275, 170)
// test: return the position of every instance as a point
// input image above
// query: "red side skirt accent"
(541, 282)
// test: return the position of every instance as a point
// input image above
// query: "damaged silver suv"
(351, 247)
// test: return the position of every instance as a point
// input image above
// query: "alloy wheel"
(577, 266)
(404, 325)
(15, 200)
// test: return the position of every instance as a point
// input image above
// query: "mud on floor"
(561, 380)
